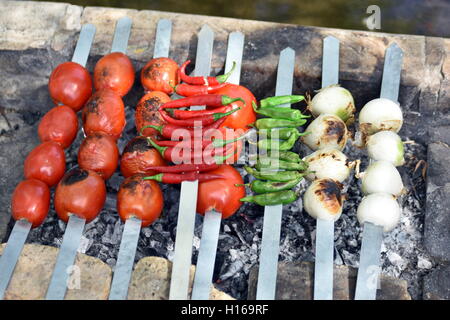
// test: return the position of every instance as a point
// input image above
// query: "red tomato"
(70, 84)
(114, 71)
(242, 118)
(30, 201)
(221, 194)
(104, 112)
(46, 162)
(60, 124)
(99, 153)
(137, 155)
(139, 198)
(147, 112)
(80, 192)
(158, 74)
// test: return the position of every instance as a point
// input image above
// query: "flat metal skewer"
(21, 229)
(66, 258)
(130, 236)
(323, 272)
(211, 223)
(369, 265)
(270, 243)
(11, 253)
(179, 283)
(125, 259)
(71, 240)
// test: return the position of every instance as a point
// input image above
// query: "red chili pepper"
(192, 143)
(173, 154)
(198, 121)
(187, 90)
(180, 177)
(209, 100)
(167, 130)
(209, 81)
(184, 168)
(188, 114)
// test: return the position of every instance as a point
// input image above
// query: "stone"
(437, 223)
(24, 24)
(151, 281)
(436, 284)
(296, 279)
(440, 134)
(438, 167)
(91, 279)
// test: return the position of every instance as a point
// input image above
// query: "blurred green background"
(425, 17)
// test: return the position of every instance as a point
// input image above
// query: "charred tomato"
(98, 152)
(137, 155)
(140, 198)
(160, 74)
(30, 201)
(104, 112)
(70, 84)
(80, 192)
(114, 71)
(60, 124)
(147, 112)
(46, 162)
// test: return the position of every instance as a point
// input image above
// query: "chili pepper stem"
(160, 149)
(158, 177)
(157, 128)
(217, 143)
(224, 77)
(217, 116)
(242, 184)
(227, 100)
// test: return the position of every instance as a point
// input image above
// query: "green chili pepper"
(279, 133)
(283, 145)
(276, 101)
(279, 176)
(269, 123)
(280, 113)
(281, 164)
(259, 186)
(289, 156)
(273, 198)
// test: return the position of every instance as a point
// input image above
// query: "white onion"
(380, 209)
(386, 145)
(323, 199)
(380, 114)
(333, 100)
(381, 176)
(326, 131)
(327, 163)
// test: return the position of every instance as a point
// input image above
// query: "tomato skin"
(46, 162)
(80, 192)
(139, 198)
(114, 71)
(137, 155)
(98, 152)
(70, 84)
(158, 73)
(147, 112)
(221, 194)
(104, 112)
(242, 118)
(60, 124)
(31, 201)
